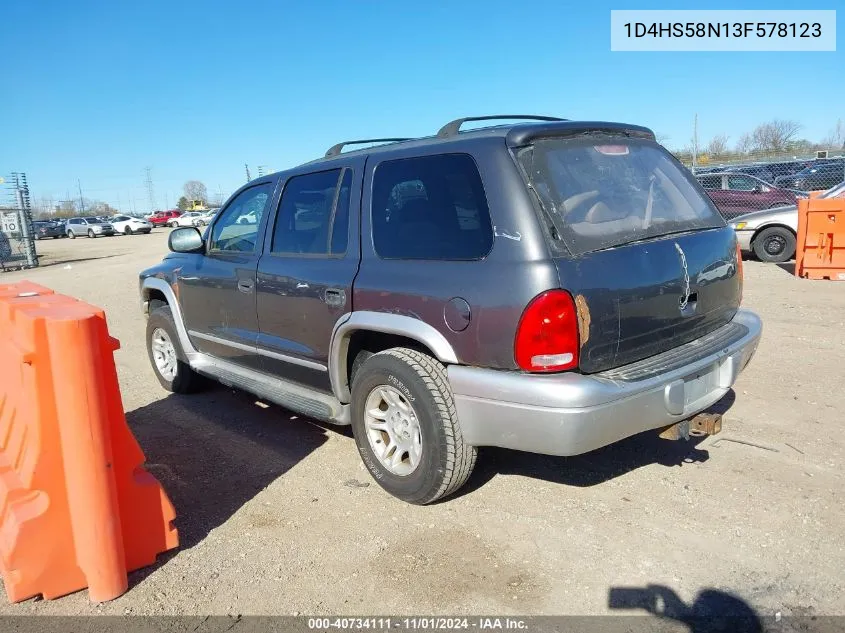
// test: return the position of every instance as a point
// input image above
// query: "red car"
(736, 194)
(163, 217)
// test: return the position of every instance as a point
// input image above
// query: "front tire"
(165, 353)
(128, 231)
(406, 426)
(91, 234)
(774, 244)
(71, 235)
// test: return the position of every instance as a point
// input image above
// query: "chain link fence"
(17, 237)
(800, 172)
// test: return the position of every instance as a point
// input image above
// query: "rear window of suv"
(598, 192)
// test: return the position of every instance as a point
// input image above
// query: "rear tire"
(774, 244)
(165, 353)
(401, 399)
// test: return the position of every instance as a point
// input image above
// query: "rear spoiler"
(522, 135)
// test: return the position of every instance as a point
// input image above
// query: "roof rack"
(334, 150)
(453, 127)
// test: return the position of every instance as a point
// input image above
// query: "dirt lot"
(277, 515)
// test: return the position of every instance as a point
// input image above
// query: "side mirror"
(186, 239)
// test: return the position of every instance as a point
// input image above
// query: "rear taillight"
(739, 272)
(547, 337)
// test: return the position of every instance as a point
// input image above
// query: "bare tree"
(775, 136)
(195, 190)
(836, 138)
(661, 138)
(744, 144)
(718, 146)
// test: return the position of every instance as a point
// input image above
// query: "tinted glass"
(340, 230)
(606, 191)
(121, 218)
(741, 183)
(237, 227)
(710, 182)
(305, 210)
(431, 207)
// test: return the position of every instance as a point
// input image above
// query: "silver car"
(771, 234)
(92, 227)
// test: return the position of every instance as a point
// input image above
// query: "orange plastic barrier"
(820, 248)
(77, 509)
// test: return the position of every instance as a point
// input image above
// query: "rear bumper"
(570, 414)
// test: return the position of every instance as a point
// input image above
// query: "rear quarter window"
(430, 207)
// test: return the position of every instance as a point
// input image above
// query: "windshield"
(835, 192)
(604, 191)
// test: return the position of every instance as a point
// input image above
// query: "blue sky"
(196, 89)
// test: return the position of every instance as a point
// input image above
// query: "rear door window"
(430, 207)
(602, 191)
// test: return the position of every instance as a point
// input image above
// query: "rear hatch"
(637, 243)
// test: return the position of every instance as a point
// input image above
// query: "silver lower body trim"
(286, 394)
(570, 414)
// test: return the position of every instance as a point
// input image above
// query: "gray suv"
(92, 227)
(549, 286)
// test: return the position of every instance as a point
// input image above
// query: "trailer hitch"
(696, 426)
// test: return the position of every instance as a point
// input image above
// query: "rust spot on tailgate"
(583, 319)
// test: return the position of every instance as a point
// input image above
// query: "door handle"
(335, 297)
(245, 285)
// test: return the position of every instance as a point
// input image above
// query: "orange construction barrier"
(820, 248)
(77, 509)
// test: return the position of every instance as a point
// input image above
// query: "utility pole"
(81, 201)
(150, 193)
(248, 177)
(695, 143)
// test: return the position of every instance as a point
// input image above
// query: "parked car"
(43, 229)
(552, 286)
(92, 227)
(206, 217)
(771, 235)
(735, 193)
(163, 217)
(762, 172)
(191, 218)
(128, 225)
(821, 175)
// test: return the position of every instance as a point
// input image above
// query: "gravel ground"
(277, 515)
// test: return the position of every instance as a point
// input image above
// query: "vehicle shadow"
(595, 467)
(712, 610)
(788, 267)
(214, 453)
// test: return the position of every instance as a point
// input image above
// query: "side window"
(431, 207)
(236, 230)
(741, 183)
(304, 221)
(710, 182)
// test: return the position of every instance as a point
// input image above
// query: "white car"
(129, 225)
(191, 218)
(771, 233)
(206, 217)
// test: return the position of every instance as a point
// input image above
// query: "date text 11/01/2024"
(421, 624)
(724, 29)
